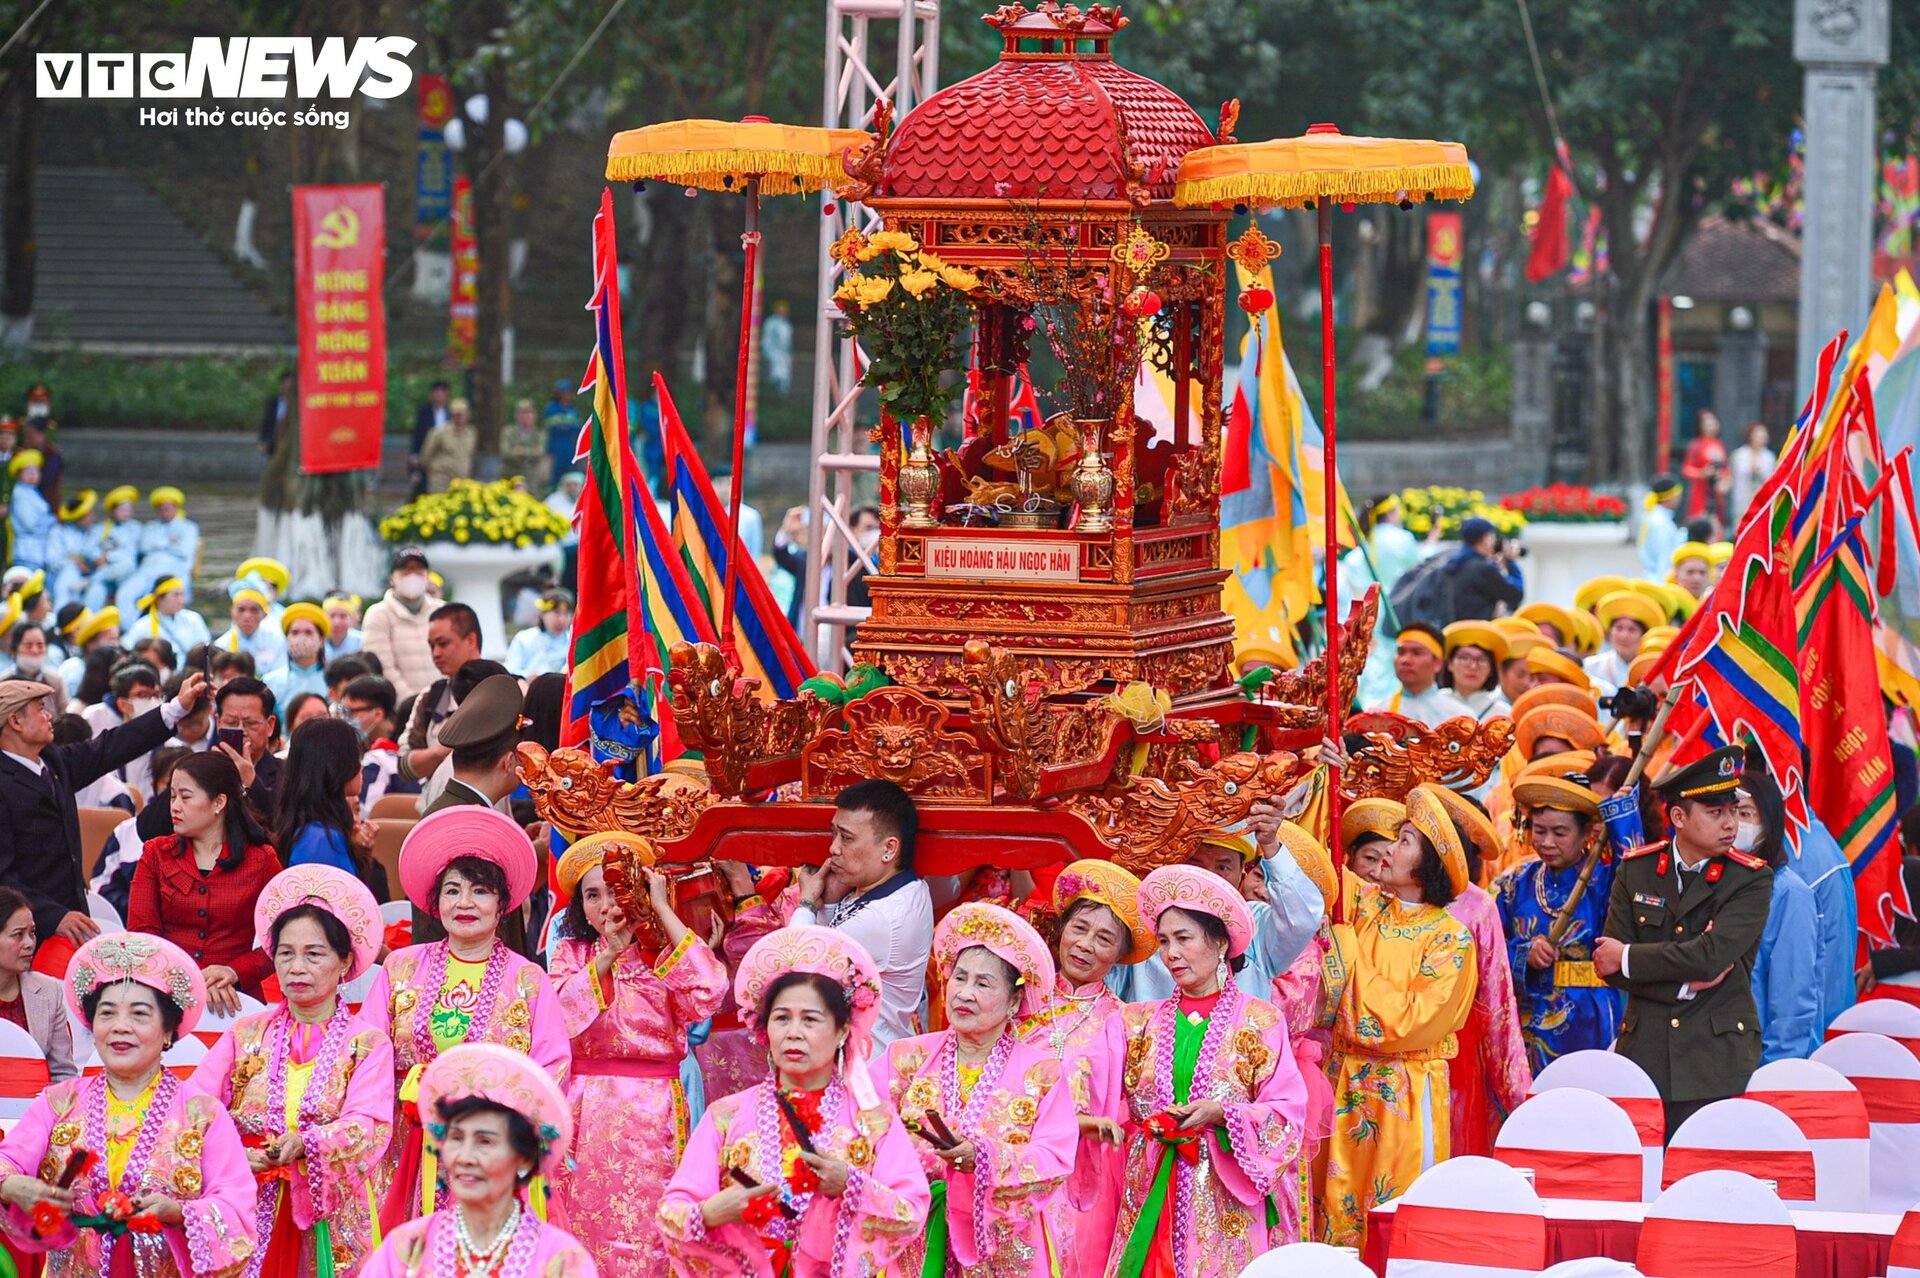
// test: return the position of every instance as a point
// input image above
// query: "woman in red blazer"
(197, 886)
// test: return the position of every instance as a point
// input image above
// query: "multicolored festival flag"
(610, 654)
(767, 648)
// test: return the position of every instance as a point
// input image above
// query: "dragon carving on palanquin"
(720, 713)
(1459, 753)
(1301, 695)
(581, 797)
(901, 736)
(1147, 822)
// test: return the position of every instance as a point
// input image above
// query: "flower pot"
(1562, 556)
(473, 574)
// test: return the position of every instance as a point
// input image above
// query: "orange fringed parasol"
(1323, 168)
(753, 157)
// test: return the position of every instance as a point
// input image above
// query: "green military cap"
(1715, 778)
(490, 710)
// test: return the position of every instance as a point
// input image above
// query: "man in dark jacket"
(39, 821)
(1480, 584)
(431, 414)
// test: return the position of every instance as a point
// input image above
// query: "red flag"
(1552, 246)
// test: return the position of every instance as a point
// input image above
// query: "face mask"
(411, 586)
(140, 705)
(28, 665)
(303, 648)
(1748, 838)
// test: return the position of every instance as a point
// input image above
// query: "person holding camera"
(1482, 574)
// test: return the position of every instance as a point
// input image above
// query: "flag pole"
(750, 242)
(1331, 512)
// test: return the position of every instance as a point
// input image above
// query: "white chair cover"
(1307, 1260)
(1626, 1085)
(1830, 1113)
(1898, 1020)
(1889, 1081)
(212, 1025)
(1592, 1267)
(1577, 1143)
(101, 910)
(1468, 1217)
(1718, 1222)
(392, 912)
(1749, 1137)
(23, 1071)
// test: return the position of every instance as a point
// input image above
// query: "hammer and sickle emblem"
(339, 229)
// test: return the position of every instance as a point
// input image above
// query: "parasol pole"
(1331, 501)
(750, 243)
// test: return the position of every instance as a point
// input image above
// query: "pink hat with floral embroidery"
(1197, 891)
(466, 829)
(1004, 933)
(512, 1080)
(136, 956)
(327, 888)
(818, 951)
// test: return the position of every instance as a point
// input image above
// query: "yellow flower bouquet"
(908, 308)
(472, 512)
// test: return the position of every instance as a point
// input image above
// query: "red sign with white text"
(339, 274)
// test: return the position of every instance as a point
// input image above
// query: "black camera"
(1632, 703)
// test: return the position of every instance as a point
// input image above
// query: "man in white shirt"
(1418, 653)
(881, 903)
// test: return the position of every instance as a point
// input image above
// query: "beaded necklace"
(145, 1246)
(432, 981)
(768, 1122)
(1224, 1009)
(452, 1247)
(1062, 1028)
(967, 1120)
(334, 1035)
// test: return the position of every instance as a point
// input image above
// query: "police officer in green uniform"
(1682, 930)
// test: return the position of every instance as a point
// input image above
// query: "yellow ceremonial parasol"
(753, 157)
(1320, 169)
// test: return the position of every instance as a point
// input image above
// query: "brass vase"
(1093, 478)
(919, 477)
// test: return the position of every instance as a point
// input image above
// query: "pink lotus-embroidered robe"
(864, 1231)
(197, 1160)
(353, 1120)
(996, 1213)
(1219, 1202)
(629, 1109)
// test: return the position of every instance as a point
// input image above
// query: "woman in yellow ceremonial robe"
(1398, 984)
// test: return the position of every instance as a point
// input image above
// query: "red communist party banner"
(463, 303)
(339, 272)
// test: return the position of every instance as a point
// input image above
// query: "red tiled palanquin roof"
(1042, 126)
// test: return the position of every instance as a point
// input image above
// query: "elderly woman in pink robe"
(992, 1116)
(809, 1175)
(1207, 1084)
(312, 1057)
(628, 1002)
(495, 1120)
(470, 867)
(1096, 912)
(159, 1154)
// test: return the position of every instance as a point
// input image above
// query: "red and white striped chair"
(1718, 1222)
(1897, 1020)
(1830, 1113)
(1626, 1085)
(23, 1072)
(1904, 1262)
(1745, 1136)
(1307, 1260)
(1888, 1078)
(1468, 1217)
(392, 912)
(180, 1060)
(1577, 1143)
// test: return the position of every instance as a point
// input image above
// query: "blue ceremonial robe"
(1566, 1008)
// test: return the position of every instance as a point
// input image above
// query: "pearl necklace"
(483, 1260)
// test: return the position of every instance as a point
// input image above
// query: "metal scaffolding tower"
(854, 64)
